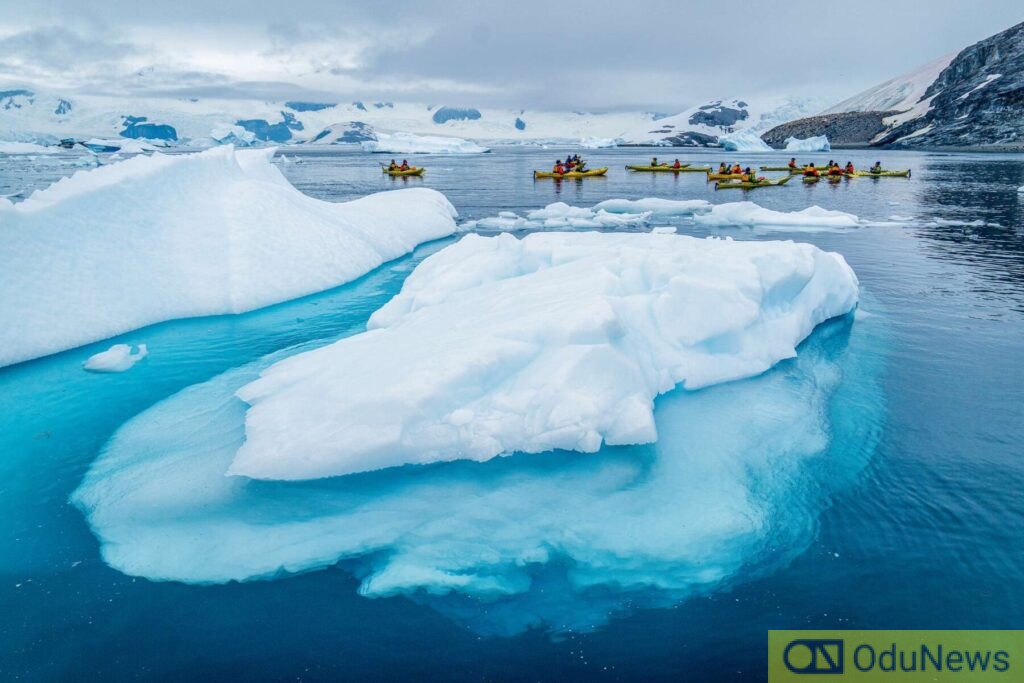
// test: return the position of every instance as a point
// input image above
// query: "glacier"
(553, 341)
(159, 237)
(16, 148)
(563, 542)
(819, 143)
(408, 143)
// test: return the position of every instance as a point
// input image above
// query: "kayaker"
(811, 172)
(737, 169)
(877, 168)
(558, 169)
(849, 168)
(835, 170)
(405, 165)
(723, 168)
(393, 166)
(792, 164)
(654, 161)
(748, 175)
(676, 164)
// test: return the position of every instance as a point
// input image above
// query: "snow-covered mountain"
(899, 94)
(34, 115)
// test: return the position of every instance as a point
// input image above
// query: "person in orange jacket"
(811, 172)
(835, 170)
(737, 169)
(405, 165)
(558, 168)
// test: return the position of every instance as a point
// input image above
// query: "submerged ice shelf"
(162, 237)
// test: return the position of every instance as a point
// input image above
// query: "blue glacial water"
(883, 489)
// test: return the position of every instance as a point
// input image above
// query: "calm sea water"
(925, 532)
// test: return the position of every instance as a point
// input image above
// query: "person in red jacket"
(792, 164)
(737, 169)
(405, 165)
(559, 168)
(676, 164)
(849, 168)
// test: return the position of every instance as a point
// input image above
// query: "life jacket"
(850, 168)
(736, 170)
(677, 165)
(404, 167)
(792, 164)
(559, 168)
(811, 172)
(835, 170)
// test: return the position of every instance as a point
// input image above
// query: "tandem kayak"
(883, 174)
(411, 171)
(685, 168)
(725, 176)
(571, 174)
(780, 168)
(746, 185)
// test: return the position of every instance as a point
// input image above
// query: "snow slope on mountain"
(900, 93)
(717, 118)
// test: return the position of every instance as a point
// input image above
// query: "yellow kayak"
(747, 185)
(660, 167)
(571, 174)
(725, 176)
(781, 168)
(411, 171)
(883, 174)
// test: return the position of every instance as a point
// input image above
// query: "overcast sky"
(533, 54)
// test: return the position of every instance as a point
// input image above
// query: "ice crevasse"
(554, 341)
(155, 238)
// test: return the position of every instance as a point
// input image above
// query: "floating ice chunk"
(555, 341)
(743, 141)
(749, 214)
(117, 358)
(656, 206)
(231, 134)
(408, 143)
(812, 144)
(156, 238)
(1020, 189)
(732, 489)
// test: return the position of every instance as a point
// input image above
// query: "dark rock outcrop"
(977, 101)
(847, 128)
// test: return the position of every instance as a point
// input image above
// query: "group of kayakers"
(571, 163)
(831, 169)
(747, 175)
(395, 167)
(674, 164)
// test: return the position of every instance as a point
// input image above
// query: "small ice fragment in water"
(117, 358)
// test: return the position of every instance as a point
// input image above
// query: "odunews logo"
(848, 656)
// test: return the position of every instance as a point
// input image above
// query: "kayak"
(811, 179)
(746, 185)
(883, 174)
(661, 167)
(411, 171)
(780, 168)
(724, 176)
(686, 168)
(571, 174)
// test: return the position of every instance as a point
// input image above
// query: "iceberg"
(408, 143)
(159, 237)
(656, 206)
(731, 490)
(812, 144)
(749, 214)
(600, 143)
(743, 141)
(117, 358)
(231, 134)
(555, 341)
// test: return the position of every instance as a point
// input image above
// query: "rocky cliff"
(854, 128)
(976, 101)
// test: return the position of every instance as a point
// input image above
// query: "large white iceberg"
(812, 144)
(555, 341)
(745, 140)
(408, 143)
(155, 238)
(749, 214)
(731, 489)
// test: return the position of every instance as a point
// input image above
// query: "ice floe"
(160, 237)
(555, 341)
(749, 214)
(117, 358)
(13, 148)
(743, 141)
